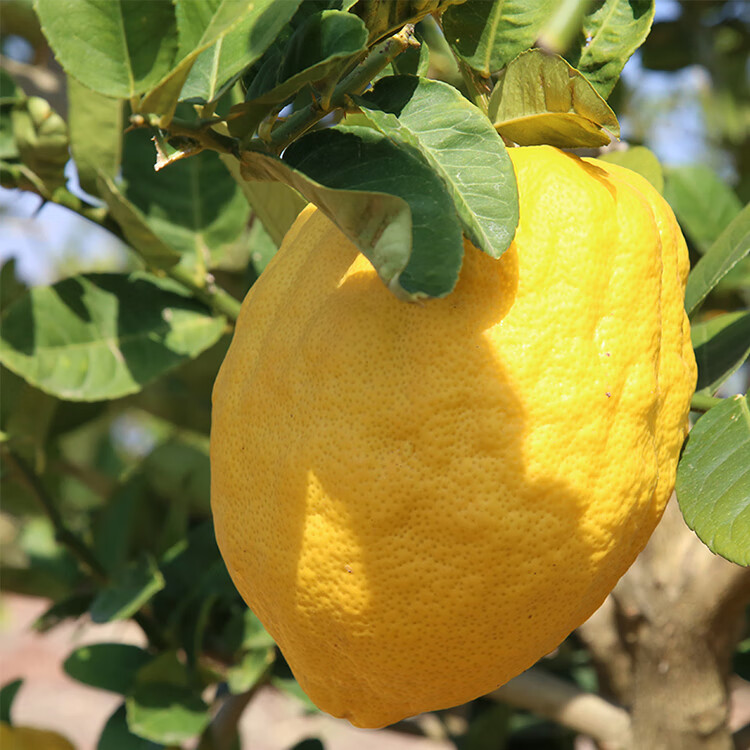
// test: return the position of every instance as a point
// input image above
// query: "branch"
(208, 291)
(354, 83)
(568, 705)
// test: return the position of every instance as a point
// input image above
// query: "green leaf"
(309, 744)
(247, 673)
(119, 48)
(386, 200)
(106, 666)
(96, 125)
(204, 23)
(7, 696)
(721, 345)
(178, 470)
(71, 607)
(135, 226)
(732, 245)
(704, 204)
(193, 206)
(324, 43)
(165, 705)
(219, 65)
(102, 336)
(460, 145)
(276, 205)
(641, 160)
(713, 477)
(130, 590)
(610, 35)
(539, 98)
(488, 35)
(117, 736)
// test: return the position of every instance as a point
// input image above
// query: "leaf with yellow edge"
(539, 98)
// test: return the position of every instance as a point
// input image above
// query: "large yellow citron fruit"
(30, 738)
(421, 500)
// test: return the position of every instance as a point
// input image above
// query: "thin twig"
(701, 402)
(73, 543)
(357, 81)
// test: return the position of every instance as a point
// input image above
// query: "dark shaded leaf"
(117, 736)
(7, 696)
(721, 345)
(107, 666)
(731, 247)
(130, 590)
(193, 206)
(325, 42)
(385, 199)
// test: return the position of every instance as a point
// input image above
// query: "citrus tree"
(195, 132)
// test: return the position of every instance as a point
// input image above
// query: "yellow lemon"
(421, 500)
(29, 738)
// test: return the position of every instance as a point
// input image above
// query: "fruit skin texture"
(421, 500)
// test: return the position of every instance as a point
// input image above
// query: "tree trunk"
(663, 641)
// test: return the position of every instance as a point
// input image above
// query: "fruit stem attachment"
(701, 402)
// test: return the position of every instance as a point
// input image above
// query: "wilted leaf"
(713, 477)
(540, 98)
(119, 48)
(102, 336)
(461, 146)
(392, 205)
(721, 345)
(726, 252)
(106, 666)
(641, 160)
(489, 34)
(703, 203)
(610, 35)
(129, 591)
(96, 125)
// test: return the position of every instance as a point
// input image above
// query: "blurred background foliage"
(131, 476)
